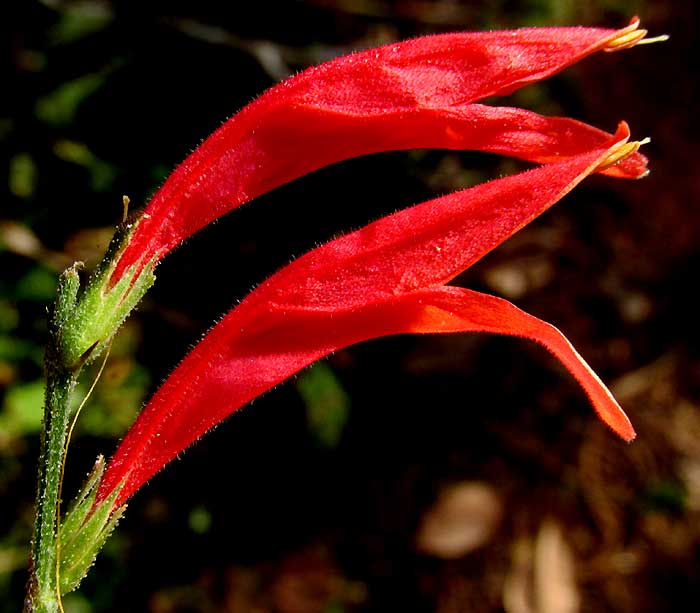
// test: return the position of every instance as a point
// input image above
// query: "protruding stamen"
(631, 36)
(654, 39)
(625, 40)
(621, 152)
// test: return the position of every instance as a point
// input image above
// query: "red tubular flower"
(414, 94)
(386, 278)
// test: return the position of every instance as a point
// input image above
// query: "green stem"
(81, 326)
(43, 595)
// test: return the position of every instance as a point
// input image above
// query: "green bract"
(86, 321)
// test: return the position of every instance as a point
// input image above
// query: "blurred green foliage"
(327, 404)
(79, 19)
(22, 408)
(22, 175)
(59, 107)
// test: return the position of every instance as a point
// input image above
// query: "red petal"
(414, 94)
(428, 244)
(351, 289)
(254, 363)
(453, 309)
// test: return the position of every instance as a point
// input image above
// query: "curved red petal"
(345, 291)
(453, 309)
(413, 94)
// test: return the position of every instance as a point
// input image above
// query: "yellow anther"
(631, 36)
(620, 153)
(625, 41)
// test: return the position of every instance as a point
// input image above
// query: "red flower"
(390, 276)
(410, 95)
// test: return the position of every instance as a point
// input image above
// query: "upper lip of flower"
(353, 106)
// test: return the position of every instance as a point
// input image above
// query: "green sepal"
(82, 504)
(101, 308)
(82, 323)
(68, 288)
(83, 534)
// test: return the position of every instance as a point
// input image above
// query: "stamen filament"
(654, 39)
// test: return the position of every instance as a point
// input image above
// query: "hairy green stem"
(43, 596)
(82, 324)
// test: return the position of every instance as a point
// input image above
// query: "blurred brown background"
(443, 473)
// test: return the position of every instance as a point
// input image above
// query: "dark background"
(350, 487)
